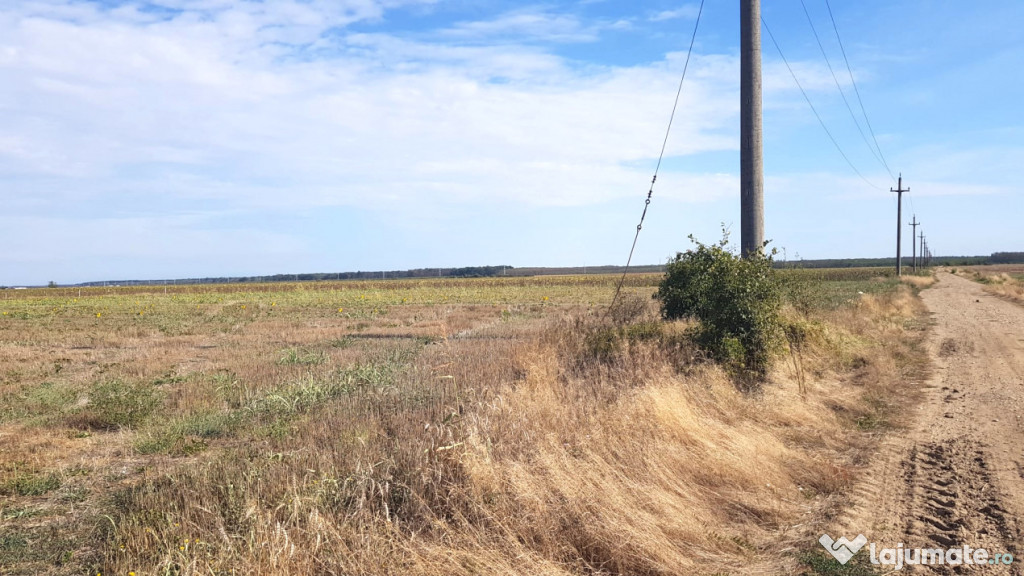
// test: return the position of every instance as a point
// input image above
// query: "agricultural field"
(456, 427)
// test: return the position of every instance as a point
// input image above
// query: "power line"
(857, 91)
(815, 110)
(838, 85)
(661, 155)
(860, 101)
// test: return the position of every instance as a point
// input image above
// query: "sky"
(189, 138)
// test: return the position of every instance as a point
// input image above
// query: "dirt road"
(957, 476)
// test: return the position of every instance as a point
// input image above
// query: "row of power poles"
(751, 160)
(925, 254)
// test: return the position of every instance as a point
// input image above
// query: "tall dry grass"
(1004, 280)
(538, 456)
(1005, 286)
(433, 439)
(918, 281)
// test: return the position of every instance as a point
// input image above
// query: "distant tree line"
(464, 272)
(1007, 258)
(995, 258)
(489, 271)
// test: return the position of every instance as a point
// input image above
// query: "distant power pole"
(899, 224)
(921, 236)
(751, 159)
(913, 244)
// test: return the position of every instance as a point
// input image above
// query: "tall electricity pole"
(913, 244)
(899, 224)
(751, 160)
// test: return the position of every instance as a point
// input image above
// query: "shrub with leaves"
(735, 300)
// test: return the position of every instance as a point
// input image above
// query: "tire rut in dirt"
(951, 501)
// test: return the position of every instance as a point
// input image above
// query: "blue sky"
(181, 138)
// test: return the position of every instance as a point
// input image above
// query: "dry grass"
(426, 432)
(1006, 281)
(918, 281)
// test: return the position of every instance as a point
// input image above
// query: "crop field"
(433, 426)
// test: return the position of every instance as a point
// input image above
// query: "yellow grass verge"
(918, 281)
(1003, 281)
(1004, 285)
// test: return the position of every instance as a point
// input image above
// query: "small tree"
(52, 284)
(736, 301)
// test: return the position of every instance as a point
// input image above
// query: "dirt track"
(957, 476)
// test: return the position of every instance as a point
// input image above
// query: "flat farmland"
(435, 426)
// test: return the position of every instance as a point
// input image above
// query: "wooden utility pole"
(899, 224)
(751, 160)
(913, 244)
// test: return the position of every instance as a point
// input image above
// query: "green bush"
(735, 300)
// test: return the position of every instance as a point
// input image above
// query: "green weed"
(819, 563)
(30, 484)
(302, 357)
(117, 404)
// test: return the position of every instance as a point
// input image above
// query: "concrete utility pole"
(751, 160)
(913, 245)
(899, 224)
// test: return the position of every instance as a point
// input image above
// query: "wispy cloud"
(525, 24)
(197, 109)
(122, 118)
(685, 12)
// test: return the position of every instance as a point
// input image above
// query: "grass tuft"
(300, 357)
(116, 404)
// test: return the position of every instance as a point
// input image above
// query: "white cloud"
(119, 120)
(688, 12)
(526, 24)
(114, 104)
